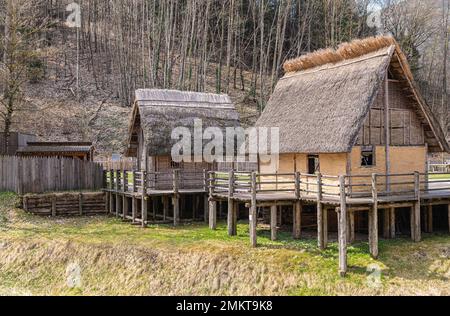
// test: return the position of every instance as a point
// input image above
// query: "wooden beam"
(325, 228)
(176, 210)
(297, 229)
(342, 228)
(134, 207)
(351, 227)
(416, 210)
(212, 214)
(387, 127)
(273, 222)
(124, 207)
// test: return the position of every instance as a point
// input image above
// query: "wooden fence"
(39, 175)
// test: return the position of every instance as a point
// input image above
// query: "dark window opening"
(175, 165)
(368, 156)
(313, 164)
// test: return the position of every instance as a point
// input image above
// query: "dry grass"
(345, 51)
(116, 258)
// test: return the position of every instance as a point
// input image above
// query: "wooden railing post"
(342, 228)
(320, 221)
(125, 181)
(253, 216)
(297, 186)
(231, 205)
(373, 219)
(134, 181)
(144, 207)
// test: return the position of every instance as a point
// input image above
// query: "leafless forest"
(229, 46)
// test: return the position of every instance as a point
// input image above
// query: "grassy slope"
(118, 258)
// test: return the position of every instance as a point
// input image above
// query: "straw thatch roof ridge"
(345, 51)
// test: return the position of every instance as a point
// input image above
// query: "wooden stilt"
(325, 228)
(386, 223)
(206, 208)
(80, 204)
(118, 204)
(297, 229)
(111, 203)
(124, 208)
(176, 210)
(273, 223)
(412, 221)
(212, 215)
(429, 222)
(134, 207)
(107, 202)
(231, 205)
(416, 217)
(144, 209)
(165, 207)
(342, 211)
(373, 220)
(319, 213)
(392, 222)
(351, 227)
(253, 220)
(235, 217)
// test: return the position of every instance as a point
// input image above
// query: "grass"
(116, 258)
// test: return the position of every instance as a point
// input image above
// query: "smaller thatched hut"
(76, 150)
(156, 113)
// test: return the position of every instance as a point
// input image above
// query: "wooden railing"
(138, 181)
(321, 187)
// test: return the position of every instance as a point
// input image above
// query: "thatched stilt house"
(157, 113)
(352, 111)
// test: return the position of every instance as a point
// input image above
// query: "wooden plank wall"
(65, 204)
(41, 174)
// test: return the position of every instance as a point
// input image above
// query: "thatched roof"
(56, 147)
(158, 112)
(322, 102)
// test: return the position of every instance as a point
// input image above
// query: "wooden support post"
(80, 204)
(165, 207)
(351, 227)
(231, 211)
(319, 213)
(207, 186)
(176, 198)
(212, 214)
(134, 207)
(124, 207)
(273, 222)
(125, 181)
(416, 209)
(373, 220)
(297, 186)
(118, 205)
(429, 222)
(107, 194)
(297, 229)
(342, 228)
(53, 205)
(325, 228)
(111, 203)
(387, 224)
(392, 222)
(144, 205)
(253, 219)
